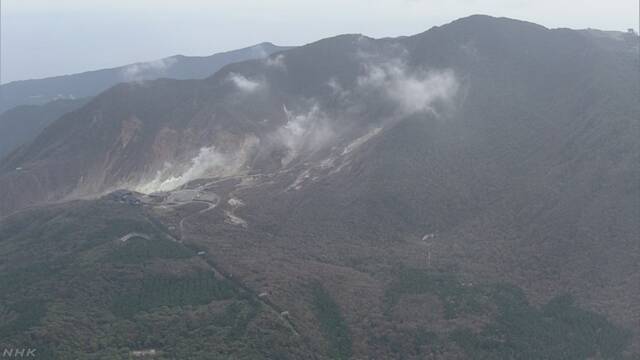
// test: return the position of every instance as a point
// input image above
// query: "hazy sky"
(52, 37)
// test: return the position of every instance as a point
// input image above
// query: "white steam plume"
(276, 61)
(244, 84)
(305, 132)
(413, 92)
(147, 70)
(208, 163)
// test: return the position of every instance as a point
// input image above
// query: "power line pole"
(428, 245)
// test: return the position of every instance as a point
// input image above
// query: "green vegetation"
(23, 315)
(237, 316)
(560, 330)
(422, 337)
(106, 298)
(70, 287)
(516, 329)
(412, 343)
(14, 279)
(455, 297)
(332, 324)
(137, 250)
(156, 291)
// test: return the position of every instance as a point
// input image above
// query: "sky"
(42, 38)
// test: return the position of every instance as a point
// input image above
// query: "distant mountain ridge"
(87, 84)
(23, 123)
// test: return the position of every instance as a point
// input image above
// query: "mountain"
(88, 84)
(466, 192)
(40, 102)
(23, 123)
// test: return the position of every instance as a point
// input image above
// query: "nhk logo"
(18, 353)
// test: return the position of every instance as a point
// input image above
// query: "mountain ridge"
(22, 123)
(90, 83)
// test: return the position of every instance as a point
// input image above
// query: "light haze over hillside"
(66, 32)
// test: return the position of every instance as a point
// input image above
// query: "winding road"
(212, 204)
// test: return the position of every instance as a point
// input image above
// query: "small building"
(428, 237)
(144, 353)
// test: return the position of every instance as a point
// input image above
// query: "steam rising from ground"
(305, 132)
(276, 61)
(208, 163)
(408, 92)
(142, 71)
(415, 91)
(244, 84)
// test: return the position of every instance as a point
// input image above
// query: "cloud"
(147, 70)
(209, 162)
(413, 92)
(244, 84)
